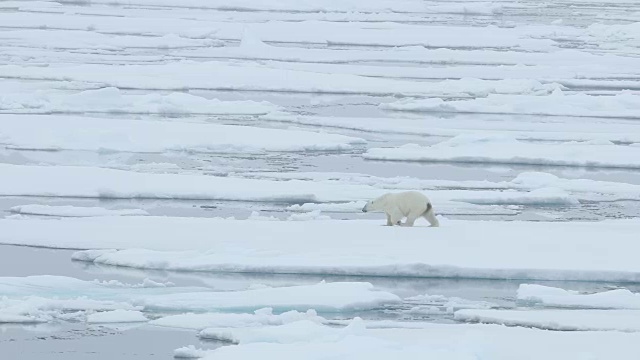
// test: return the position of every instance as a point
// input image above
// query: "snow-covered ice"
(40, 133)
(86, 295)
(117, 316)
(29, 308)
(328, 297)
(73, 211)
(260, 317)
(560, 320)
(491, 149)
(541, 185)
(189, 352)
(263, 78)
(557, 297)
(437, 304)
(113, 100)
(204, 112)
(441, 341)
(294, 332)
(94, 182)
(563, 128)
(623, 105)
(345, 247)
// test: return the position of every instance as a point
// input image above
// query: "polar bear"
(409, 204)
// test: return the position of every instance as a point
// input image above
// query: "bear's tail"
(431, 216)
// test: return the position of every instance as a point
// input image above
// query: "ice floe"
(243, 77)
(260, 317)
(441, 341)
(74, 211)
(58, 133)
(564, 128)
(34, 295)
(557, 297)
(345, 247)
(117, 316)
(624, 105)
(439, 304)
(326, 297)
(93, 182)
(561, 320)
(114, 100)
(491, 149)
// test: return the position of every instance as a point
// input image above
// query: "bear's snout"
(364, 209)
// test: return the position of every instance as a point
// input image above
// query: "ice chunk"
(323, 296)
(438, 304)
(113, 100)
(116, 316)
(190, 352)
(562, 320)
(620, 105)
(336, 207)
(37, 309)
(294, 332)
(556, 297)
(260, 317)
(312, 215)
(491, 149)
(73, 211)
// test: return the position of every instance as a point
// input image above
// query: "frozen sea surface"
(520, 113)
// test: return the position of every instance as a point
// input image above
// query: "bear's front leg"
(395, 217)
(389, 223)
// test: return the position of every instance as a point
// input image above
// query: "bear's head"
(376, 204)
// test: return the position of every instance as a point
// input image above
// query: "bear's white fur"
(397, 206)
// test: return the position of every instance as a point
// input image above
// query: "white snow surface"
(358, 247)
(580, 189)
(328, 297)
(260, 317)
(625, 105)
(37, 132)
(559, 320)
(244, 77)
(563, 128)
(172, 95)
(557, 297)
(93, 182)
(438, 341)
(491, 149)
(117, 316)
(73, 211)
(114, 100)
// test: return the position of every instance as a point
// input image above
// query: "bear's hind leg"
(411, 219)
(431, 217)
